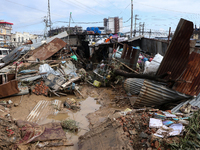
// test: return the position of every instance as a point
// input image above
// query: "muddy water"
(88, 105)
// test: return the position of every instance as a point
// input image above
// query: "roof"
(154, 93)
(177, 55)
(6, 23)
(192, 74)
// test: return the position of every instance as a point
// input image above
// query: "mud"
(97, 107)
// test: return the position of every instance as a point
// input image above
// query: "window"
(22, 39)
(8, 31)
(14, 39)
(4, 52)
(1, 30)
(18, 39)
(8, 37)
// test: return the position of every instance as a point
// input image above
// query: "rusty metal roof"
(48, 50)
(154, 93)
(192, 73)
(177, 55)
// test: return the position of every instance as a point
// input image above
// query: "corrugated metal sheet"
(16, 53)
(177, 54)
(43, 109)
(193, 102)
(133, 85)
(37, 44)
(48, 50)
(192, 73)
(9, 88)
(153, 93)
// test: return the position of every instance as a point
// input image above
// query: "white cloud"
(96, 10)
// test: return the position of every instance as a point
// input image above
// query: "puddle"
(88, 105)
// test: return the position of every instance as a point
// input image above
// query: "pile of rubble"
(161, 93)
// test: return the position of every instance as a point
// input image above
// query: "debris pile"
(145, 83)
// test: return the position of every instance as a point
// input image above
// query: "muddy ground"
(97, 109)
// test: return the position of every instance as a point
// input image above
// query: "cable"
(89, 7)
(29, 25)
(165, 8)
(117, 7)
(78, 6)
(88, 22)
(125, 8)
(29, 7)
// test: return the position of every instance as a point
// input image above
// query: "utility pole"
(47, 21)
(135, 24)
(150, 33)
(69, 26)
(49, 15)
(140, 28)
(131, 18)
(143, 29)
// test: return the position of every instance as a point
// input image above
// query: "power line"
(78, 6)
(30, 7)
(85, 22)
(29, 25)
(116, 7)
(166, 9)
(89, 7)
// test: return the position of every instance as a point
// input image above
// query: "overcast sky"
(158, 15)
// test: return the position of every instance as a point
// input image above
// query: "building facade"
(5, 33)
(19, 38)
(113, 24)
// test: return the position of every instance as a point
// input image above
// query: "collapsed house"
(153, 74)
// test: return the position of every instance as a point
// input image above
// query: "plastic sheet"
(46, 68)
(153, 66)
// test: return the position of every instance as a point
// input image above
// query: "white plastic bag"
(153, 66)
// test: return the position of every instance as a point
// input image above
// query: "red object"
(107, 40)
(6, 23)
(150, 59)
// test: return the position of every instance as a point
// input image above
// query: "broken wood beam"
(126, 66)
(142, 76)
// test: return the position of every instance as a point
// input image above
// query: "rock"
(157, 144)
(8, 106)
(143, 135)
(149, 148)
(148, 144)
(16, 104)
(75, 107)
(132, 132)
(127, 134)
(10, 102)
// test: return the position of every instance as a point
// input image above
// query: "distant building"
(196, 34)
(73, 30)
(113, 24)
(5, 33)
(18, 38)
